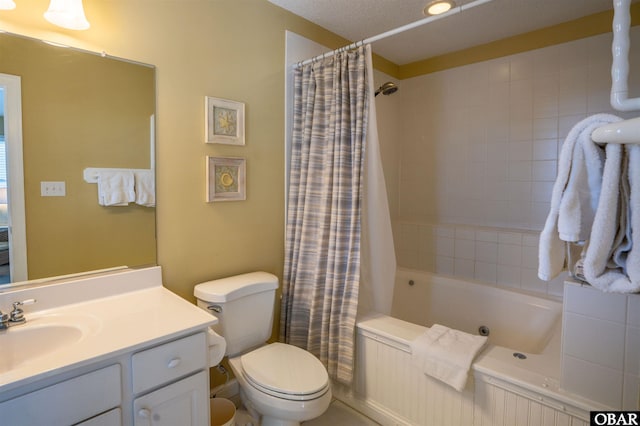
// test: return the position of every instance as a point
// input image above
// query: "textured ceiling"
(360, 19)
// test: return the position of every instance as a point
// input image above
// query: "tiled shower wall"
(479, 153)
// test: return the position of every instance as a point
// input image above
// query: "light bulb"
(67, 14)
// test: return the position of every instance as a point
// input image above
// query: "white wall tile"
(631, 393)
(486, 252)
(509, 254)
(541, 191)
(487, 236)
(632, 351)
(520, 150)
(444, 265)
(508, 276)
(593, 340)
(530, 240)
(445, 246)
(530, 257)
(487, 272)
(465, 233)
(465, 249)
(463, 268)
(598, 383)
(544, 170)
(586, 300)
(520, 170)
(633, 301)
(545, 149)
(510, 238)
(531, 282)
(445, 231)
(488, 157)
(545, 128)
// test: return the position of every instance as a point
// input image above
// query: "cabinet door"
(184, 403)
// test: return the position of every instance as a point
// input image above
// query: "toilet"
(283, 384)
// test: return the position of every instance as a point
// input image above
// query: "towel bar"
(90, 174)
(623, 132)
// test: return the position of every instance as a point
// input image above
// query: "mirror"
(80, 110)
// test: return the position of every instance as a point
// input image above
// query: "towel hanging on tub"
(446, 354)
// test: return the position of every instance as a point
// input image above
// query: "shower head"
(387, 88)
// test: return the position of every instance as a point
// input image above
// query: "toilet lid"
(285, 369)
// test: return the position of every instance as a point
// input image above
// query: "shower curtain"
(378, 268)
(322, 247)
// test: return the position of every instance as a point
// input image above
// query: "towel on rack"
(607, 266)
(580, 197)
(446, 354)
(115, 187)
(579, 179)
(145, 188)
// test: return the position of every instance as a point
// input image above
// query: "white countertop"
(129, 312)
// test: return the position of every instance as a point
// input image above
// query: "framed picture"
(226, 179)
(224, 121)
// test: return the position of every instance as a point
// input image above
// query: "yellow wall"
(230, 49)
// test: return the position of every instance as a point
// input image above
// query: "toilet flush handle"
(215, 308)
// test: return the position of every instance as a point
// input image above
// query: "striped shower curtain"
(322, 247)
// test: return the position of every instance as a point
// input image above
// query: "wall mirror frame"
(79, 109)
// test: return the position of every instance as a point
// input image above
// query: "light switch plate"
(52, 189)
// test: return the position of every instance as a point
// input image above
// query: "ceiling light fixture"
(438, 7)
(7, 5)
(67, 14)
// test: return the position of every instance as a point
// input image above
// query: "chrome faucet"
(16, 316)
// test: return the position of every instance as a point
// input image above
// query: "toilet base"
(271, 410)
(264, 420)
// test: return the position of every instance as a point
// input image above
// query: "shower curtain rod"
(394, 31)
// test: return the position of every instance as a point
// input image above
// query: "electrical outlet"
(52, 189)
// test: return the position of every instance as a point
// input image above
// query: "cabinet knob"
(145, 413)
(174, 362)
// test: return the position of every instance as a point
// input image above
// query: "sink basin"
(41, 337)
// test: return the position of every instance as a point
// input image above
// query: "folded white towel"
(145, 188)
(446, 354)
(115, 187)
(551, 254)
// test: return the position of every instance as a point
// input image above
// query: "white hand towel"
(145, 188)
(115, 188)
(446, 354)
(551, 254)
(580, 197)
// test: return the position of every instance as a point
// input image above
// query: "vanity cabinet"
(165, 384)
(182, 403)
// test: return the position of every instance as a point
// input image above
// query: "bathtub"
(514, 380)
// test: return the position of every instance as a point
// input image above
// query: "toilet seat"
(285, 371)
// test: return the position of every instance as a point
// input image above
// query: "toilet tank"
(244, 306)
